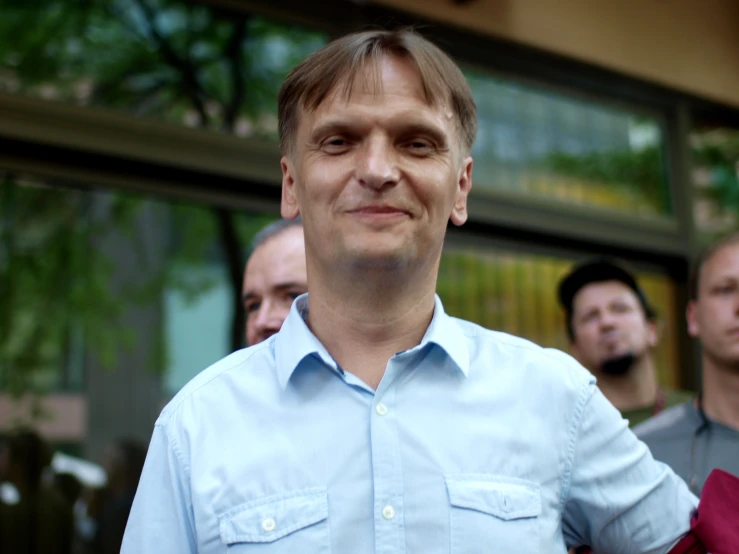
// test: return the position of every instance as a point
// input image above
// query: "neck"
(364, 319)
(635, 389)
(721, 393)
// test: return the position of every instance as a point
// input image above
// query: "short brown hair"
(339, 62)
(706, 254)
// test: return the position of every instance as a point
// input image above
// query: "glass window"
(536, 143)
(94, 279)
(715, 160)
(516, 293)
(177, 61)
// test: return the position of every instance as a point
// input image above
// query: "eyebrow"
(412, 128)
(332, 127)
(280, 287)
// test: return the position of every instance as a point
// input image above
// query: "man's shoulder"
(665, 424)
(522, 354)
(239, 365)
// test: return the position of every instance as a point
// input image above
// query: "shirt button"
(388, 512)
(269, 524)
(381, 409)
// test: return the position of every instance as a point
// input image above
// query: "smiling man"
(373, 422)
(697, 437)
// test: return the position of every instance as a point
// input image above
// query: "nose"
(607, 321)
(268, 317)
(377, 163)
(267, 320)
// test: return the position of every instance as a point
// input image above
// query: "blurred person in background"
(613, 332)
(68, 486)
(123, 465)
(274, 276)
(703, 434)
(72, 489)
(39, 520)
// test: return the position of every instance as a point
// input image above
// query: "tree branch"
(188, 71)
(235, 266)
(233, 52)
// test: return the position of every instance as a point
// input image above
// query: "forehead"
(723, 263)
(279, 259)
(389, 81)
(602, 293)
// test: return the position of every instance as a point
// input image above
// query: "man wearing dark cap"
(613, 333)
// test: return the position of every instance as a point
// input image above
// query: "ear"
(464, 185)
(691, 316)
(289, 208)
(654, 331)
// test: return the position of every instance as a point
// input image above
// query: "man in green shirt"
(613, 333)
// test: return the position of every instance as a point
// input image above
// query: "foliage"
(639, 173)
(172, 60)
(716, 159)
(166, 59)
(715, 154)
(53, 282)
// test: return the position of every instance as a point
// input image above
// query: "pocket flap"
(271, 518)
(503, 498)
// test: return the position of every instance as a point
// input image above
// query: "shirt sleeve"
(161, 518)
(620, 499)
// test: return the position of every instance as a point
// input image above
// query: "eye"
(251, 307)
(725, 289)
(621, 308)
(589, 317)
(418, 146)
(335, 145)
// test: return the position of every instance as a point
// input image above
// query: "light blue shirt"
(474, 441)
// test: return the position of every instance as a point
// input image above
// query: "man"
(124, 461)
(374, 422)
(274, 276)
(38, 519)
(698, 436)
(613, 332)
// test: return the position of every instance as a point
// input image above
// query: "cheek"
(587, 340)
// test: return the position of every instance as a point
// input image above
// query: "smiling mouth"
(378, 211)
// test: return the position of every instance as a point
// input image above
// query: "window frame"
(100, 148)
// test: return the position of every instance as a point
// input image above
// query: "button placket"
(387, 469)
(388, 512)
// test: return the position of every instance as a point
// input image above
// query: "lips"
(379, 210)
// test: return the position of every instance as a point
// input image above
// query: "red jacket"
(714, 527)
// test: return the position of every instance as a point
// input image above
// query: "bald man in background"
(274, 276)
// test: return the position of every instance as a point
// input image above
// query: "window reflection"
(540, 144)
(113, 298)
(177, 61)
(715, 158)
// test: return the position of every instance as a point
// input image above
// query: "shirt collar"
(295, 342)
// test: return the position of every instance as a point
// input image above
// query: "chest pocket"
(493, 514)
(286, 523)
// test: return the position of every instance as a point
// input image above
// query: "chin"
(379, 255)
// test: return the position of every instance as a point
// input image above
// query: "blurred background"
(138, 156)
